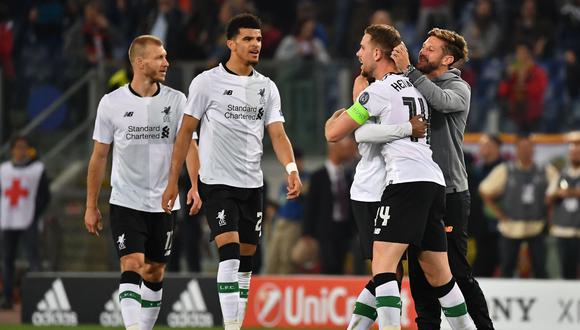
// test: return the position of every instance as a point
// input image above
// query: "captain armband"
(358, 113)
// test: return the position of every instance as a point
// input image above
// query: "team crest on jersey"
(221, 217)
(166, 112)
(363, 98)
(121, 242)
(261, 93)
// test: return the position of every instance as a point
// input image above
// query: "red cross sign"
(15, 192)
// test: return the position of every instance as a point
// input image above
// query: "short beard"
(253, 63)
(426, 68)
(367, 74)
(154, 78)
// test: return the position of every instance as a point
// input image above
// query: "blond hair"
(455, 44)
(139, 44)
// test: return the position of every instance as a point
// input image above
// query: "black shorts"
(142, 232)
(230, 208)
(364, 215)
(412, 213)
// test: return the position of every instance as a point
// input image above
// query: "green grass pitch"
(97, 327)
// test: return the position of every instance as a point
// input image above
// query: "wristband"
(291, 167)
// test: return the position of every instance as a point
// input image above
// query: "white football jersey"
(370, 175)
(142, 130)
(395, 100)
(233, 111)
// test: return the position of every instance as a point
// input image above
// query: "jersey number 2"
(259, 223)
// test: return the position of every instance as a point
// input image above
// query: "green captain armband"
(358, 113)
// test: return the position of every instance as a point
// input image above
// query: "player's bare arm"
(283, 149)
(339, 125)
(192, 164)
(180, 149)
(95, 176)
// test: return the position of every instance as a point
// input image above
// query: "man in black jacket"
(328, 216)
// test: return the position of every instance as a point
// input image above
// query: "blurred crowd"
(524, 53)
(516, 200)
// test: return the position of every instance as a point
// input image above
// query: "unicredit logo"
(269, 305)
(274, 304)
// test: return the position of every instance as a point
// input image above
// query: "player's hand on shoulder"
(168, 197)
(419, 126)
(194, 200)
(93, 222)
(294, 185)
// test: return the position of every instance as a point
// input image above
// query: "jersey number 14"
(411, 103)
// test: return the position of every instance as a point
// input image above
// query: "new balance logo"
(190, 310)
(111, 316)
(228, 92)
(128, 114)
(54, 308)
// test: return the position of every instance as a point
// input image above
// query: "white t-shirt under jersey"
(394, 100)
(143, 130)
(233, 111)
